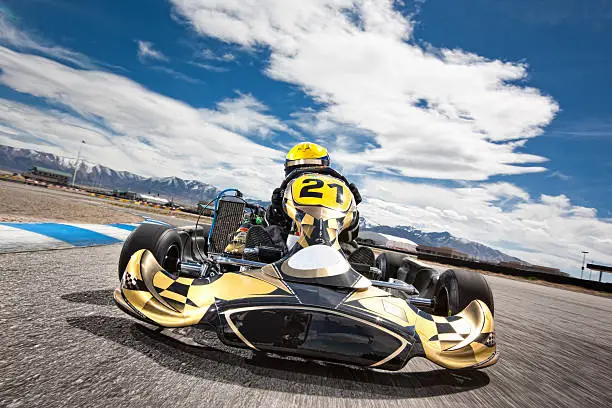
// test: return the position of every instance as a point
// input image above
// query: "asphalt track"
(63, 343)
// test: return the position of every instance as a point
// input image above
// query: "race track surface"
(64, 343)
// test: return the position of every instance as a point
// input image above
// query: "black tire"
(424, 282)
(389, 263)
(457, 288)
(164, 243)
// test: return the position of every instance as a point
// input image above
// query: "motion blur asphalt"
(64, 343)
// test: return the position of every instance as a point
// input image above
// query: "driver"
(307, 155)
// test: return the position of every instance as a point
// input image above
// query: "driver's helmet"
(306, 154)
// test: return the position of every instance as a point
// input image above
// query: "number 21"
(310, 189)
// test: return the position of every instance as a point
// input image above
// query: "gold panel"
(174, 296)
(162, 281)
(307, 220)
(451, 350)
(269, 277)
(230, 286)
(151, 303)
(372, 291)
(134, 264)
(376, 306)
(137, 298)
(332, 224)
(184, 281)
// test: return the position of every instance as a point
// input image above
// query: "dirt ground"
(22, 203)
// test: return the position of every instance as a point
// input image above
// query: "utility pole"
(583, 262)
(76, 165)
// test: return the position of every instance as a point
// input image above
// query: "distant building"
(533, 268)
(48, 175)
(441, 251)
(133, 196)
(152, 199)
(128, 195)
(600, 268)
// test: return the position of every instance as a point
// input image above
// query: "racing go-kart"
(311, 303)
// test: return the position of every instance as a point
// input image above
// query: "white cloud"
(551, 229)
(245, 115)
(444, 114)
(112, 113)
(177, 75)
(559, 175)
(210, 55)
(14, 37)
(209, 67)
(146, 51)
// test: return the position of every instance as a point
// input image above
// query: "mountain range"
(182, 191)
(442, 239)
(192, 191)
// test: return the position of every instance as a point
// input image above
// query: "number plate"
(323, 191)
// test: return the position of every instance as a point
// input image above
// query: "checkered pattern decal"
(461, 341)
(176, 302)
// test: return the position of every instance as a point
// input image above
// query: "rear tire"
(457, 288)
(389, 263)
(164, 243)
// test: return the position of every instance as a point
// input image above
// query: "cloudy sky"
(490, 120)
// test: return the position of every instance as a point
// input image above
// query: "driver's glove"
(277, 197)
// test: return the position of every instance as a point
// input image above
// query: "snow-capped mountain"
(441, 239)
(182, 191)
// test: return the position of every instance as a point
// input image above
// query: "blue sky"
(568, 46)
(491, 120)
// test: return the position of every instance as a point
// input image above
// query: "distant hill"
(442, 239)
(183, 191)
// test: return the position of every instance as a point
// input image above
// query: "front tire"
(163, 242)
(457, 288)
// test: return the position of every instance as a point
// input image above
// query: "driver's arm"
(355, 192)
(275, 213)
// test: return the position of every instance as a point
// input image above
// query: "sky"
(489, 120)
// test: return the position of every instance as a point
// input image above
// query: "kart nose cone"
(322, 265)
(317, 261)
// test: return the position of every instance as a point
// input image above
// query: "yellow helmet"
(306, 154)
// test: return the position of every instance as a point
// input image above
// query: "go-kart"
(311, 303)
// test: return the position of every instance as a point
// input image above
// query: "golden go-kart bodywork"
(311, 303)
